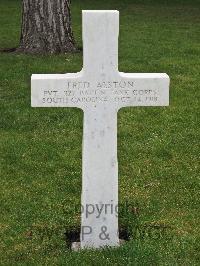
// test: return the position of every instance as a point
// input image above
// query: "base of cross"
(76, 246)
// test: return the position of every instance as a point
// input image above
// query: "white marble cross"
(100, 91)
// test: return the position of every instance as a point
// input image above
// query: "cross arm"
(145, 89)
(56, 90)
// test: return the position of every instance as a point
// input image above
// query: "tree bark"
(46, 27)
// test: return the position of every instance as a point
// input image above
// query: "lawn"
(157, 146)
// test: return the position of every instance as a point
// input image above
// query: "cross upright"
(100, 90)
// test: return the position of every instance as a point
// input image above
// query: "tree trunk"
(46, 27)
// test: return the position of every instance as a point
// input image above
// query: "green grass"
(157, 147)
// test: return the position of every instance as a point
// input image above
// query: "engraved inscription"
(100, 92)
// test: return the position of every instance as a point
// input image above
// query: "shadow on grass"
(73, 235)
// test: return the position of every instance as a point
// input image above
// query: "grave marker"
(100, 91)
